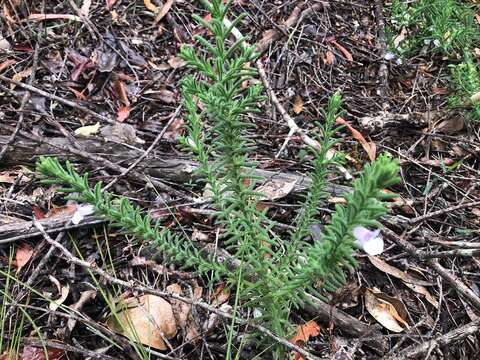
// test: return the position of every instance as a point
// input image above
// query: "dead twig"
(450, 278)
(458, 334)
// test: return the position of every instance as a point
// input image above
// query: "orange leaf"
(344, 51)
(298, 105)
(121, 92)
(329, 58)
(123, 113)
(23, 255)
(370, 148)
(304, 333)
(148, 4)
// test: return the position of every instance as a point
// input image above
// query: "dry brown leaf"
(382, 311)
(164, 95)
(391, 270)
(275, 189)
(175, 62)
(121, 91)
(123, 133)
(8, 177)
(175, 129)
(6, 64)
(451, 125)
(23, 255)
(221, 295)
(147, 318)
(422, 290)
(61, 211)
(329, 58)
(298, 105)
(20, 76)
(163, 11)
(400, 37)
(304, 333)
(150, 6)
(63, 290)
(344, 51)
(370, 148)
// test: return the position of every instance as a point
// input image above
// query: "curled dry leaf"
(122, 133)
(175, 62)
(147, 318)
(87, 130)
(384, 311)
(63, 290)
(23, 255)
(370, 148)
(348, 56)
(275, 189)
(150, 6)
(298, 105)
(391, 270)
(409, 281)
(221, 295)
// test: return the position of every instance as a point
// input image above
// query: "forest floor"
(97, 83)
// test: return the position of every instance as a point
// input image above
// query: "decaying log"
(176, 170)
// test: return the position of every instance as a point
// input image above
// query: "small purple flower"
(370, 241)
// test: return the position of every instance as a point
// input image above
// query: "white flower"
(370, 241)
(82, 211)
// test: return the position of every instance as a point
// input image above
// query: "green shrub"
(274, 273)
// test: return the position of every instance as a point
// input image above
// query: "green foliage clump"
(274, 273)
(466, 82)
(447, 26)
